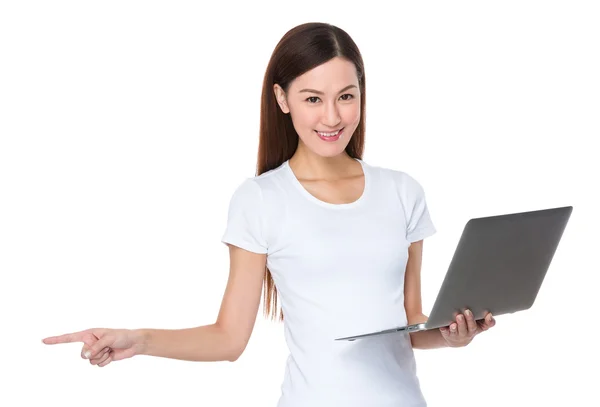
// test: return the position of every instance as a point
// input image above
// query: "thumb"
(86, 350)
(94, 348)
(89, 340)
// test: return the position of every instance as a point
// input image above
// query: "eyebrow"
(321, 93)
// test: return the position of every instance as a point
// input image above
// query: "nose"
(331, 116)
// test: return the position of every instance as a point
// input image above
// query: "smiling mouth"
(329, 133)
(330, 136)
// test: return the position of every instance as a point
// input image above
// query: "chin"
(329, 153)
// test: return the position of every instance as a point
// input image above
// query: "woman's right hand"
(101, 345)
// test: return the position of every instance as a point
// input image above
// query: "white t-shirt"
(339, 271)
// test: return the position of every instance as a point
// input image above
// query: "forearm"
(209, 343)
(430, 339)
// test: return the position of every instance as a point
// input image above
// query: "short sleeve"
(245, 219)
(419, 223)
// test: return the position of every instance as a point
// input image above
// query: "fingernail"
(87, 354)
(468, 313)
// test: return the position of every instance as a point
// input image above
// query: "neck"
(310, 166)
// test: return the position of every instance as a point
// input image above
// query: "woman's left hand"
(462, 332)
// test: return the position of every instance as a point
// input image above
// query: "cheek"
(352, 114)
(303, 117)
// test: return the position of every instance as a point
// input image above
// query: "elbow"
(233, 344)
(235, 351)
(233, 356)
(235, 347)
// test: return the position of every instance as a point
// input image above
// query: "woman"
(337, 240)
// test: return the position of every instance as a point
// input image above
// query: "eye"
(314, 99)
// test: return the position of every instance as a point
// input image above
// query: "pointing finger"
(66, 338)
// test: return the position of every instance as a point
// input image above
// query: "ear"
(281, 98)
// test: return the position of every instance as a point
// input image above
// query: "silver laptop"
(498, 266)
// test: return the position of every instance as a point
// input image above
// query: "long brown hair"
(301, 49)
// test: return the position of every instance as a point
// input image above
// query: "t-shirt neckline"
(330, 205)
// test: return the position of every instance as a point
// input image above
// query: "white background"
(126, 126)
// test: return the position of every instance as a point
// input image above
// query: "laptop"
(498, 266)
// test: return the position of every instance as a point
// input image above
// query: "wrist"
(140, 338)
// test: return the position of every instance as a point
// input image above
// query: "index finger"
(66, 338)
(470, 321)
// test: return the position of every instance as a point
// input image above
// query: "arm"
(413, 304)
(227, 338)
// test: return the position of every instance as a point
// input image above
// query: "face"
(324, 104)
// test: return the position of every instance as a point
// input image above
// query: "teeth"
(328, 134)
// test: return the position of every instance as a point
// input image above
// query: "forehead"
(329, 77)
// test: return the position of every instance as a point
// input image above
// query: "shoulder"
(402, 180)
(271, 178)
(259, 205)
(261, 188)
